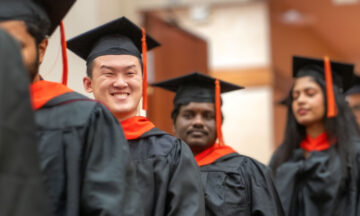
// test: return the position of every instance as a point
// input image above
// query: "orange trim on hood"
(319, 143)
(213, 153)
(136, 126)
(43, 91)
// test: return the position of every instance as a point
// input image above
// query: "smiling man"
(234, 184)
(167, 172)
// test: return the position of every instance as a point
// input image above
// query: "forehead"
(117, 60)
(353, 98)
(198, 107)
(305, 82)
(16, 28)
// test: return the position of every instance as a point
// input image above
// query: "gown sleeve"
(264, 197)
(186, 195)
(109, 182)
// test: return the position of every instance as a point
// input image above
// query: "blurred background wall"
(247, 42)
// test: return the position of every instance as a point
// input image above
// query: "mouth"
(120, 95)
(302, 111)
(197, 133)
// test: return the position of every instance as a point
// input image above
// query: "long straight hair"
(343, 128)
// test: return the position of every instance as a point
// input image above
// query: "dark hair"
(38, 30)
(343, 127)
(176, 110)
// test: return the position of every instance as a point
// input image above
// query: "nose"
(120, 82)
(198, 122)
(301, 99)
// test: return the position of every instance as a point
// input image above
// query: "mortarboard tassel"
(144, 53)
(218, 113)
(331, 103)
(64, 54)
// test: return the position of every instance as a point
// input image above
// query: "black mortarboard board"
(42, 12)
(355, 87)
(342, 73)
(118, 37)
(195, 87)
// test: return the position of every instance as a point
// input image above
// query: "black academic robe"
(22, 191)
(236, 185)
(315, 186)
(85, 158)
(169, 178)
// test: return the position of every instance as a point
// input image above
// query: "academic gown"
(169, 179)
(84, 155)
(315, 186)
(236, 185)
(22, 191)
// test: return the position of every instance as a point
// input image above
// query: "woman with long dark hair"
(316, 167)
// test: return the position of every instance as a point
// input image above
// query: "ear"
(42, 49)
(87, 84)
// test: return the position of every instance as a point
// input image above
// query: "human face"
(195, 124)
(117, 82)
(354, 103)
(308, 101)
(31, 52)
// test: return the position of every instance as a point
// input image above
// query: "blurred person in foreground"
(22, 191)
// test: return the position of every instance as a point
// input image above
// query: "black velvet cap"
(342, 73)
(118, 37)
(45, 13)
(195, 87)
(355, 87)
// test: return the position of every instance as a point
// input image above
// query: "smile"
(120, 95)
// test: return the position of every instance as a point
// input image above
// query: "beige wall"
(238, 37)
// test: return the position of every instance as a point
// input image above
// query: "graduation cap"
(197, 87)
(118, 37)
(48, 12)
(44, 13)
(334, 73)
(355, 87)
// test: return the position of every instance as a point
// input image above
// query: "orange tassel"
(218, 113)
(144, 53)
(331, 103)
(64, 54)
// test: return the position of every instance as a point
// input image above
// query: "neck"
(123, 116)
(314, 130)
(36, 78)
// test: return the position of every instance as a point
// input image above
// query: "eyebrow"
(113, 68)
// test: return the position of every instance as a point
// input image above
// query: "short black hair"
(38, 30)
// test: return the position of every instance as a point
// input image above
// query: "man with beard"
(22, 191)
(84, 155)
(167, 173)
(234, 184)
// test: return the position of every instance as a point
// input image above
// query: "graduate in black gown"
(234, 184)
(83, 153)
(353, 98)
(316, 166)
(169, 178)
(22, 190)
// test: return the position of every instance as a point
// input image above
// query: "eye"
(295, 95)
(187, 115)
(310, 92)
(208, 116)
